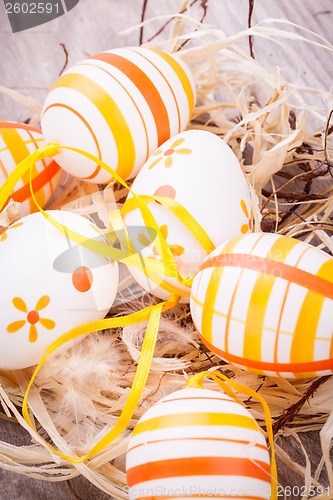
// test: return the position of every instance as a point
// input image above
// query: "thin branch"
(328, 131)
(66, 58)
(204, 6)
(169, 21)
(143, 14)
(290, 413)
(249, 22)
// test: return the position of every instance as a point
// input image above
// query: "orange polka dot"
(166, 191)
(33, 317)
(82, 279)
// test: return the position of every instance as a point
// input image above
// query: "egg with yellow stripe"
(119, 105)
(197, 443)
(17, 142)
(264, 302)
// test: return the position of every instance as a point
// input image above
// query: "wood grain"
(31, 60)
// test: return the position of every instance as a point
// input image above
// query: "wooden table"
(31, 60)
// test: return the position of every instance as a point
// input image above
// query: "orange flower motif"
(176, 250)
(169, 153)
(32, 317)
(4, 235)
(249, 226)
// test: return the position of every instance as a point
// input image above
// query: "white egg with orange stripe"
(264, 302)
(119, 105)
(17, 142)
(49, 284)
(177, 170)
(197, 443)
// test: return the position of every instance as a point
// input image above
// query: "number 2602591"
(32, 8)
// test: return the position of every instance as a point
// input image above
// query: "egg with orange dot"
(17, 142)
(49, 284)
(198, 443)
(198, 170)
(118, 105)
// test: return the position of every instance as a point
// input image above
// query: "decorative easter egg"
(17, 141)
(264, 302)
(197, 443)
(49, 285)
(201, 172)
(119, 105)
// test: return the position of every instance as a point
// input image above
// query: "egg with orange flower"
(17, 142)
(49, 284)
(198, 170)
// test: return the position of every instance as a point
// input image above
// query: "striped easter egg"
(264, 302)
(119, 105)
(17, 141)
(197, 443)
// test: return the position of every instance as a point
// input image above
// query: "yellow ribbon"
(167, 266)
(150, 313)
(152, 268)
(227, 385)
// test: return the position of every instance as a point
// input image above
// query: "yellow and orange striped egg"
(119, 105)
(17, 142)
(197, 443)
(264, 302)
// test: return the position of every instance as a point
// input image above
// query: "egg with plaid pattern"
(264, 302)
(17, 142)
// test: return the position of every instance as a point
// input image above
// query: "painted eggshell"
(119, 105)
(49, 284)
(201, 172)
(264, 302)
(200, 441)
(17, 141)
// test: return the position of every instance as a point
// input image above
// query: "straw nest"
(285, 149)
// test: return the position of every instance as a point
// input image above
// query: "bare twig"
(249, 21)
(169, 20)
(143, 14)
(204, 5)
(66, 58)
(290, 413)
(328, 131)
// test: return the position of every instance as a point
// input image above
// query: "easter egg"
(197, 443)
(264, 302)
(201, 172)
(49, 285)
(17, 141)
(119, 105)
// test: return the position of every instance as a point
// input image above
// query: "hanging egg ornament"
(49, 285)
(264, 302)
(119, 105)
(198, 443)
(200, 171)
(17, 142)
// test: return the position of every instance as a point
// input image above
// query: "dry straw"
(285, 149)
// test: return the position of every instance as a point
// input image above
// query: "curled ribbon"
(228, 386)
(152, 268)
